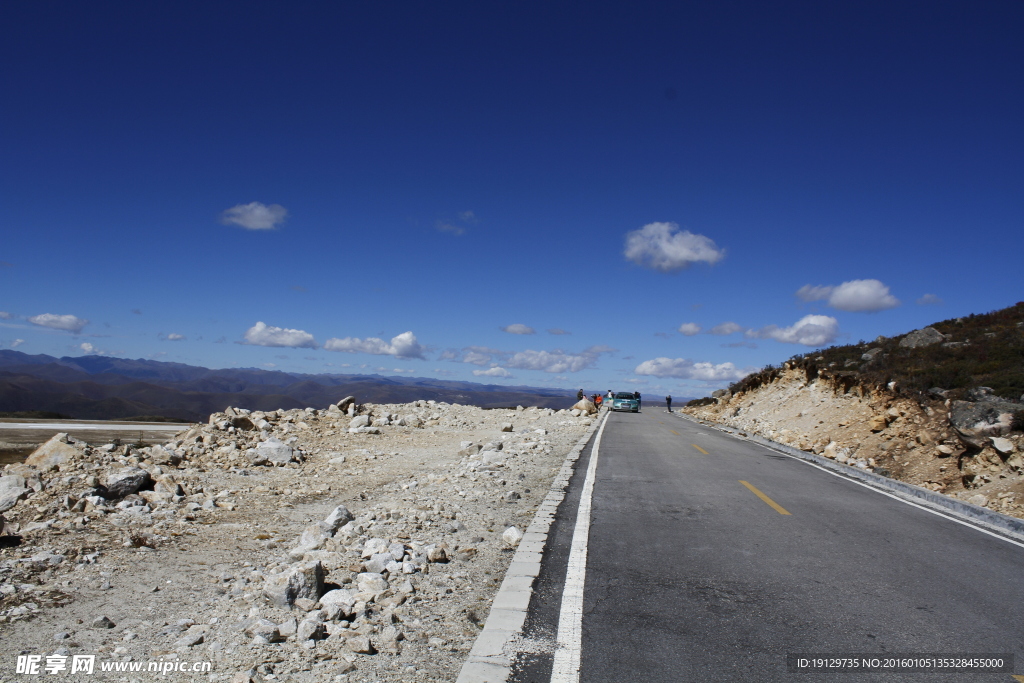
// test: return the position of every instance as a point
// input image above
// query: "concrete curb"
(487, 661)
(992, 521)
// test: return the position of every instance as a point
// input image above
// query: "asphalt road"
(694, 575)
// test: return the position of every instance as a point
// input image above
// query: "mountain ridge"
(98, 387)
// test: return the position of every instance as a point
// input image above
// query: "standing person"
(579, 395)
(668, 402)
(610, 394)
(598, 400)
(636, 395)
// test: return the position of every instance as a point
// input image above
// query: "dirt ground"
(179, 570)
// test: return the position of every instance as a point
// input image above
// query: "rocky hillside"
(939, 407)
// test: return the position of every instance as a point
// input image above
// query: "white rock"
(359, 421)
(512, 536)
(339, 517)
(300, 581)
(1003, 445)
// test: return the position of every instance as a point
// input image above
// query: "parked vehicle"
(625, 400)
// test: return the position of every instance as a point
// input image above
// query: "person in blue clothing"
(636, 395)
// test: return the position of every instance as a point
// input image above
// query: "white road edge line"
(869, 487)
(904, 500)
(569, 642)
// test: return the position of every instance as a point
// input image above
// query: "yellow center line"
(775, 506)
(674, 432)
(1019, 678)
(699, 448)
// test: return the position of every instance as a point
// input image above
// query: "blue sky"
(679, 191)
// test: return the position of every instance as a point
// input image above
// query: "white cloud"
(518, 328)
(811, 330)
(557, 361)
(16, 343)
(68, 323)
(255, 216)
(864, 296)
(476, 358)
(493, 372)
(684, 368)
(262, 334)
(662, 247)
(809, 293)
(558, 330)
(174, 336)
(726, 328)
(401, 346)
(930, 300)
(689, 329)
(449, 354)
(445, 226)
(87, 347)
(4, 315)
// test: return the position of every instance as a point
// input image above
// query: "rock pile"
(363, 541)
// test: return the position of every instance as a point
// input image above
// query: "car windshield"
(623, 395)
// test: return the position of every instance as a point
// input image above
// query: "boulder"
(340, 596)
(10, 494)
(53, 453)
(371, 582)
(871, 354)
(976, 421)
(300, 581)
(926, 336)
(126, 481)
(1003, 446)
(313, 538)
(242, 422)
(339, 517)
(159, 455)
(343, 404)
(273, 450)
(878, 423)
(584, 406)
(360, 421)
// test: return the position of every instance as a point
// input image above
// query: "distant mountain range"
(104, 388)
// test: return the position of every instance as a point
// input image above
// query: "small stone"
(194, 636)
(305, 604)
(978, 499)
(506, 427)
(361, 644)
(512, 536)
(310, 630)
(103, 622)
(264, 629)
(287, 628)
(369, 582)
